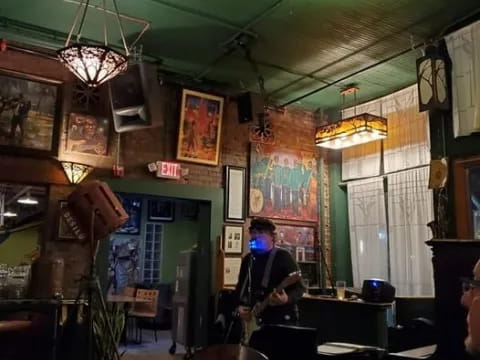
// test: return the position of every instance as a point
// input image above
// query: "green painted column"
(339, 230)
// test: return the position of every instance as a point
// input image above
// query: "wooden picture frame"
(87, 134)
(30, 114)
(235, 194)
(161, 210)
(231, 270)
(233, 239)
(200, 128)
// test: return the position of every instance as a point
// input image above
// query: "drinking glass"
(340, 286)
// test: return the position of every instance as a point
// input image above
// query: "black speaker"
(377, 291)
(249, 105)
(129, 99)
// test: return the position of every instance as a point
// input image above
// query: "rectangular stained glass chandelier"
(355, 130)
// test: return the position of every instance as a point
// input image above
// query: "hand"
(278, 298)
(245, 313)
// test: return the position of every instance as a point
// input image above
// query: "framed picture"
(200, 128)
(235, 184)
(283, 183)
(64, 231)
(233, 239)
(87, 134)
(161, 210)
(231, 270)
(298, 240)
(133, 206)
(30, 114)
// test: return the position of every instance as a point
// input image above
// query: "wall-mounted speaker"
(249, 106)
(129, 99)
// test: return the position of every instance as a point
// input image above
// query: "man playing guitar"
(264, 269)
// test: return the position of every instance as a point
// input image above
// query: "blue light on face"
(256, 244)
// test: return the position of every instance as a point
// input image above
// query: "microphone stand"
(327, 270)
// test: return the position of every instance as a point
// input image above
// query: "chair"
(145, 310)
(228, 352)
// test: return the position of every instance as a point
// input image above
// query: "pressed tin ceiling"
(299, 45)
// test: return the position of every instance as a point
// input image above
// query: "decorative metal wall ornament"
(432, 80)
(93, 64)
(84, 97)
(262, 131)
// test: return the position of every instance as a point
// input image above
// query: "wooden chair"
(228, 352)
(145, 310)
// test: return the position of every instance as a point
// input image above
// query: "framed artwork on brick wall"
(235, 188)
(200, 128)
(283, 183)
(30, 114)
(88, 134)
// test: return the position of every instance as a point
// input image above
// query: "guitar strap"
(268, 268)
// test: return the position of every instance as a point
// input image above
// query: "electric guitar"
(249, 326)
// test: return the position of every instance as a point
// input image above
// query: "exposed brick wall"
(293, 129)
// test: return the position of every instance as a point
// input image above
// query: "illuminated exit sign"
(168, 170)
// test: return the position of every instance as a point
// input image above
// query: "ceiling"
(298, 45)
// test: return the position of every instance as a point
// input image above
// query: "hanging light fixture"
(93, 64)
(76, 172)
(27, 200)
(355, 130)
(9, 213)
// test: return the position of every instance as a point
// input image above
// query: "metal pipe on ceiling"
(243, 30)
(206, 16)
(400, 53)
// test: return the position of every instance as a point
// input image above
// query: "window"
(152, 258)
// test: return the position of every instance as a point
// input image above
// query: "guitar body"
(248, 327)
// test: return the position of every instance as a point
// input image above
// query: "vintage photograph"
(30, 113)
(298, 240)
(283, 183)
(231, 269)
(200, 128)
(133, 206)
(87, 134)
(233, 239)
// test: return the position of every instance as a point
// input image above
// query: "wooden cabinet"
(452, 260)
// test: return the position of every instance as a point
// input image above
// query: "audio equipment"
(377, 291)
(249, 106)
(129, 99)
(95, 202)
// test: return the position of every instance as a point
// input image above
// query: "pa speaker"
(129, 99)
(377, 291)
(249, 105)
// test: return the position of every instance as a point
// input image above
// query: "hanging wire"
(122, 34)
(75, 20)
(82, 22)
(105, 31)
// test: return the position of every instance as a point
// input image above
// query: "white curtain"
(464, 50)
(368, 230)
(410, 209)
(2, 200)
(362, 161)
(408, 141)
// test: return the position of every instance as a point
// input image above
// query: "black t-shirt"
(283, 265)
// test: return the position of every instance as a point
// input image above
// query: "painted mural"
(283, 183)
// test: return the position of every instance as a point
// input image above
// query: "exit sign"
(168, 170)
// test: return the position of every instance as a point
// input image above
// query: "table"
(348, 321)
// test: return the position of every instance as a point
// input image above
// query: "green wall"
(339, 230)
(18, 244)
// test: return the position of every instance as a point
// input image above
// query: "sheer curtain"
(362, 161)
(408, 142)
(410, 209)
(464, 50)
(368, 230)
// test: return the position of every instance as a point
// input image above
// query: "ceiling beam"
(206, 16)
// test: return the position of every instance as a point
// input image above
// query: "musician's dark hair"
(262, 225)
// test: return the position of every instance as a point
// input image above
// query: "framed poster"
(87, 134)
(298, 240)
(231, 270)
(133, 206)
(64, 231)
(161, 210)
(235, 184)
(283, 183)
(200, 128)
(233, 239)
(30, 113)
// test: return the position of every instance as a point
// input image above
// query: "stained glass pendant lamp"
(93, 64)
(355, 130)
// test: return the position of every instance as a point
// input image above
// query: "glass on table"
(340, 287)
